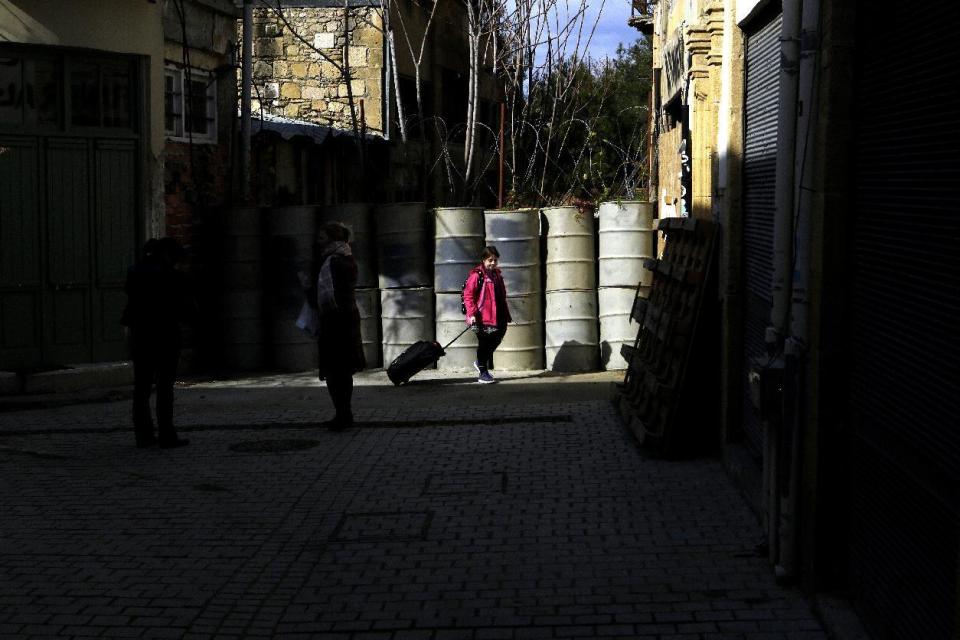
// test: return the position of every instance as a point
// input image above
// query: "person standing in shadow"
(333, 294)
(157, 300)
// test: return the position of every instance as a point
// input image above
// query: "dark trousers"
(155, 358)
(340, 386)
(487, 343)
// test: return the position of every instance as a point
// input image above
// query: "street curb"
(50, 400)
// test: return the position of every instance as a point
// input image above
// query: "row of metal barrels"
(399, 258)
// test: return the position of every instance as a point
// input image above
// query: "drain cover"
(272, 446)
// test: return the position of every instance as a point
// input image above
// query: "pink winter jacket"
(482, 303)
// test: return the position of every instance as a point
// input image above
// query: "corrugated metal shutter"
(759, 180)
(904, 395)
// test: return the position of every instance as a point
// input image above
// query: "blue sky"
(612, 29)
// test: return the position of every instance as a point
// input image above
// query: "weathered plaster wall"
(119, 26)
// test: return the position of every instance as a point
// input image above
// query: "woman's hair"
(336, 231)
(489, 251)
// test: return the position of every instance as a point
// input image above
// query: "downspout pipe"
(804, 177)
(246, 83)
(784, 193)
(778, 455)
(795, 347)
(723, 113)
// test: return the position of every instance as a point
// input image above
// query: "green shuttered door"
(68, 210)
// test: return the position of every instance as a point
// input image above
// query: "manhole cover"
(273, 446)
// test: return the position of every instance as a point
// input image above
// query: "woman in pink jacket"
(485, 300)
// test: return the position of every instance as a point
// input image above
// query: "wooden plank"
(639, 309)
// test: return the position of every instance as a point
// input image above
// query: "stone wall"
(298, 71)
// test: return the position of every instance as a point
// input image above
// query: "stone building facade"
(305, 52)
(302, 59)
(200, 116)
(818, 150)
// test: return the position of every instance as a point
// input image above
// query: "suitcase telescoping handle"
(455, 339)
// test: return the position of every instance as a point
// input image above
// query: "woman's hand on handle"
(471, 320)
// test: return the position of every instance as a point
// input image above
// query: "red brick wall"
(194, 188)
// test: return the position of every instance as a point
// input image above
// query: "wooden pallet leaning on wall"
(657, 387)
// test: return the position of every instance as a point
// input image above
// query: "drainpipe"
(780, 432)
(807, 124)
(795, 346)
(245, 98)
(723, 112)
(786, 149)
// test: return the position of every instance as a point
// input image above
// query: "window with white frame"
(190, 106)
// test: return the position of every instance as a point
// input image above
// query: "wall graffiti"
(684, 177)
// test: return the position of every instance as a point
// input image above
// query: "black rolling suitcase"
(416, 358)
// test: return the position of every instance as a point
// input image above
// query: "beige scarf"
(326, 292)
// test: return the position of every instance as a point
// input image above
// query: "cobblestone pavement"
(453, 511)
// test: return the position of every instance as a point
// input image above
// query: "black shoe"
(146, 443)
(338, 424)
(173, 444)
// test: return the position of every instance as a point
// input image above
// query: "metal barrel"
(516, 235)
(242, 329)
(406, 316)
(522, 347)
(450, 322)
(616, 328)
(572, 342)
(241, 300)
(291, 235)
(626, 238)
(571, 257)
(242, 248)
(368, 303)
(403, 246)
(459, 241)
(358, 216)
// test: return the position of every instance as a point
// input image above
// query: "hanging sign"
(674, 74)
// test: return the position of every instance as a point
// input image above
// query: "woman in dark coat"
(338, 341)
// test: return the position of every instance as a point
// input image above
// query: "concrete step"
(69, 379)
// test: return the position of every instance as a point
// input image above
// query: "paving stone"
(438, 517)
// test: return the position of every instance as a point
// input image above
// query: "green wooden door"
(68, 252)
(115, 207)
(68, 211)
(20, 250)
(70, 131)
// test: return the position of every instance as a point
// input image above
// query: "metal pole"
(245, 98)
(503, 116)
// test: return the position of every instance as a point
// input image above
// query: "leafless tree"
(542, 56)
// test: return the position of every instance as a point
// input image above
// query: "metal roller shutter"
(904, 396)
(759, 180)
